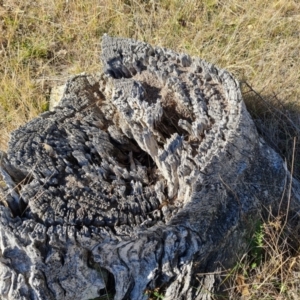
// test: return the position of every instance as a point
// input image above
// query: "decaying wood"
(143, 177)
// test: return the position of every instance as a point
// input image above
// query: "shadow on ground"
(278, 122)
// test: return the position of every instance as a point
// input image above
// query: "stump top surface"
(124, 149)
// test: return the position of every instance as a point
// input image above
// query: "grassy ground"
(43, 42)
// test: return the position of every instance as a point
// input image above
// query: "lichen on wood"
(143, 176)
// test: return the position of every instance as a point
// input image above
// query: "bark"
(144, 176)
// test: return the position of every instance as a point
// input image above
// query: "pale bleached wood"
(149, 173)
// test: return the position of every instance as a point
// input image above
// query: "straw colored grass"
(271, 268)
(43, 42)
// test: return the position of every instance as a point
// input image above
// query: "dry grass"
(43, 42)
(271, 268)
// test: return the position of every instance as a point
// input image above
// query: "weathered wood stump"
(143, 177)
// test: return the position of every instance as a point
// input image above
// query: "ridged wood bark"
(144, 176)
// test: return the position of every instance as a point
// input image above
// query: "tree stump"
(144, 176)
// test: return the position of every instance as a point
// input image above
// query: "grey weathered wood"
(149, 173)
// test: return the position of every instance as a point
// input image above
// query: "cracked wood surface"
(144, 176)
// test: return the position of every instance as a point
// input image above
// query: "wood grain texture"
(144, 176)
